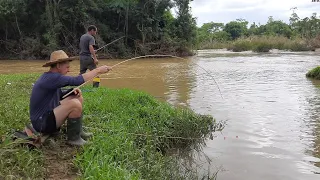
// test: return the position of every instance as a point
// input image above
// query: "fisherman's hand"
(96, 61)
(104, 69)
(77, 92)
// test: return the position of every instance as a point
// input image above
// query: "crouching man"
(48, 111)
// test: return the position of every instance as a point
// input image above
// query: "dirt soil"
(59, 158)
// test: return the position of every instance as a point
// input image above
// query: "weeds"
(132, 136)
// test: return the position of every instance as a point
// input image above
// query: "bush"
(314, 73)
(241, 45)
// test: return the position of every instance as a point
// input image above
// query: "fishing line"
(109, 44)
(146, 135)
(146, 56)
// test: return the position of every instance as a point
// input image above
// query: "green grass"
(131, 131)
(16, 162)
(314, 73)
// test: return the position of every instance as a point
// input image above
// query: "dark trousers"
(86, 62)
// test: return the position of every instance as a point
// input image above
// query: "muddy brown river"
(272, 110)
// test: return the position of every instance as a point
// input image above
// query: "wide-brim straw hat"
(58, 57)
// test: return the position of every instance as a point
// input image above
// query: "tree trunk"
(17, 24)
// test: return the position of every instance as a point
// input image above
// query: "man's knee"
(80, 98)
(76, 103)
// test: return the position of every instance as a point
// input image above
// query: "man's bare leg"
(71, 109)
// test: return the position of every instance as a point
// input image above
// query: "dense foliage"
(34, 28)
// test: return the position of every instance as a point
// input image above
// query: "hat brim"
(58, 61)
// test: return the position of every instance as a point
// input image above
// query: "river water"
(271, 109)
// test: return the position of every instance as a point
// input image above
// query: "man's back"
(46, 92)
(85, 41)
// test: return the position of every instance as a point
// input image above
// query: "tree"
(237, 28)
(185, 24)
(278, 28)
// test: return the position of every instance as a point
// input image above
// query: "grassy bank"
(264, 44)
(131, 131)
(314, 73)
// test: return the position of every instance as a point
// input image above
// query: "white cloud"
(251, 10)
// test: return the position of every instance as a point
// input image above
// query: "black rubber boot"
(73, 132)
(84, 135)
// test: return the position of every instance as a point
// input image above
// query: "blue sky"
(252, 10)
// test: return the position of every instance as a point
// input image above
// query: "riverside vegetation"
(33, 29)
(314, 73)
(298, 35)
(131, 140)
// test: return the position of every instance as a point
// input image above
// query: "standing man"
(88, 58)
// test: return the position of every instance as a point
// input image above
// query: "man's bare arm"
(93, 53)
(91, 74)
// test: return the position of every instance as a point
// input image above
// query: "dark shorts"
(86, 62)
(46, 123)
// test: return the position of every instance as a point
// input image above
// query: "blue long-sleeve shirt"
(46, 92)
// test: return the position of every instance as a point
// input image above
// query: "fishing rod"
(102, 47)
(146, 56)
(109, 43)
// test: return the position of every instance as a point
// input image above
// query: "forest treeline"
(32, 29)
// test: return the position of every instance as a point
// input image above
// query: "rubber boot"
(96, 82)
(73, 132)
(84, 135)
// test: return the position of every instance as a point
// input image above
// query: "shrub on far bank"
(265, 44)
(241, 45)
(314, 73)
(297, 45)
(315, 43)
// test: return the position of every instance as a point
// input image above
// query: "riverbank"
(265, 44)
(133, 136)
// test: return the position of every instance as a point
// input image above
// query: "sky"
(257, 11)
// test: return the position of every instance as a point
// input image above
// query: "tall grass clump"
(297, 45)
(134, 135)
(241, 45)
(265, 44)
(314, 73)
(215, 45)
(315, 42)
